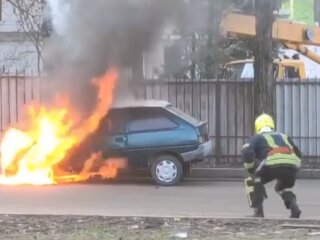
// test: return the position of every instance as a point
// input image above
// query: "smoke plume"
(59, 15)
(91, 35)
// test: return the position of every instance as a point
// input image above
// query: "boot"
(295, 211)
(290, 201)
(258, 197)
(258, 212)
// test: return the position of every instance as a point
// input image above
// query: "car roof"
(140, 103)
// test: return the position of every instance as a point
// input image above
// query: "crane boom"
(292, 35)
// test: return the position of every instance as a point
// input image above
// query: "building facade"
(17, 52)
(303, 11)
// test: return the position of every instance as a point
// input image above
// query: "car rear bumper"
(203, 151)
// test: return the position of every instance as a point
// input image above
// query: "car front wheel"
(166, 170)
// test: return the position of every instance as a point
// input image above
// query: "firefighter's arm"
(248, 158)
(295, 148)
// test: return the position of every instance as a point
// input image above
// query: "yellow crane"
(291, 35)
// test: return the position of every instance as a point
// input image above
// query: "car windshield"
(183, 115)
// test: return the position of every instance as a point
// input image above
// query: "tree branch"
(30, 23)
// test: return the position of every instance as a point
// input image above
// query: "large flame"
(30, 157)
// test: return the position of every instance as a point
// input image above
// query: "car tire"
(166, 170)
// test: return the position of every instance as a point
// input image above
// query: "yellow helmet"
(262, 121)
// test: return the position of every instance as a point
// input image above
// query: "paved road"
(197, 199)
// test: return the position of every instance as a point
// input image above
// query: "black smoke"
(99, 34)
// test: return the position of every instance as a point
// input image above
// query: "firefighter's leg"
(263, 176)
(259, 195)
(256, 194)
(284, 189)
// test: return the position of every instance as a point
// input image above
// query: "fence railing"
(227, 106)
(298, 114)
(15, 92)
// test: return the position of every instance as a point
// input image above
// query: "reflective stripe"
(270, 140)
(283, 159)
(280, 150)
(261, 165)
(249, 187)
(249, 165)
(284, 190)
(257, 180)
(245, 146)
(286, 140)
(272, 143)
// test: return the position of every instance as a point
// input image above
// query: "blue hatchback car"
(153, 136)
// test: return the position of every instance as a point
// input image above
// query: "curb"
(237, 173)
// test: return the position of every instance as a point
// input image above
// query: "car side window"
(152, 119)
(115, 122)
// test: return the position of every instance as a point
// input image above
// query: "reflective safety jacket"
(273, 149)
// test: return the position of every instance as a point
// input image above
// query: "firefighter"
(269, 156)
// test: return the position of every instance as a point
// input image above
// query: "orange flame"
(29, 157)
(108, 169)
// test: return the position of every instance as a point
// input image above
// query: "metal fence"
(15, 93)
(227, 106)
(298, 114)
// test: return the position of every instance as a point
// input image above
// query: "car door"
(113, 137)
(149, 130)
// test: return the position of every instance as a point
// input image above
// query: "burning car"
(55, 144)
(150, 135)
(32, 151)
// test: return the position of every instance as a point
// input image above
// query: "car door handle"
(120, 140)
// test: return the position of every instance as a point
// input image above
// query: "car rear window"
(183, 115)
(149, 119)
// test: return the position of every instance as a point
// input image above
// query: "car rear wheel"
(166, 170)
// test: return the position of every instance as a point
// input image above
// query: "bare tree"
(30, 22)
(9, 59)
(203, 52)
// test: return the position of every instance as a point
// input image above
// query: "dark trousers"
(285, 180)
(285, 177)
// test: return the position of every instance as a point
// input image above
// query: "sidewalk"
(240, 173)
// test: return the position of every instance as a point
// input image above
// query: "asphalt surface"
(191, 199)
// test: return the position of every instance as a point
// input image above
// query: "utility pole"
(264, 80)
